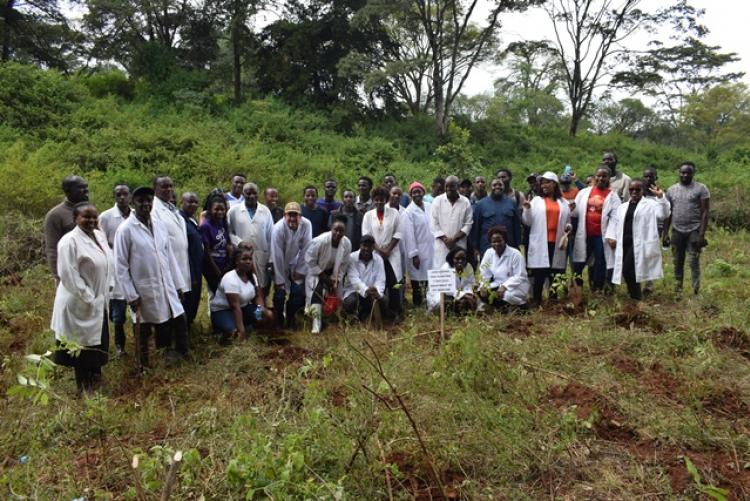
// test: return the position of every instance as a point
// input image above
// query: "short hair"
(391, 174)
(238, 174)
(309, 187)
(70, 182)
(651, 167)
(270, 188)
(365, 178)
(330, 180)
(340, 218)
(689, 164)
(507, 171)
(614, 155)
(157, 178)
(117, 185)
(247, 186)
(367, 239)
(602, 167)
(77, 208)
(343, 192)
(466, 182)
(451, 179)
(439, 179)
(452, 254)
(498, 228)
(380, 191)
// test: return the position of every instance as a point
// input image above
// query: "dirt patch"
(609, 423)
(733, 338)
(415, 478)
(286, 355)
(726, 403)
(337, 395)
(632, 317)
(657, 380)
(626, 364)
(717, 468)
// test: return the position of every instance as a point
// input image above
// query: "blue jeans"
(598, 271)
(117, 308)
(223, 320)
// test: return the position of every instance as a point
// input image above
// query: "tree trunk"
(7, 22)
(575, 120)
(441, 120)
(236, 65)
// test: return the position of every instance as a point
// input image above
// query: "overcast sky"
(727, 21)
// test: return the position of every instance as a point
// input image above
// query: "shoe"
(317, 318)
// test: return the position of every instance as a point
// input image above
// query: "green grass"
(606, 405)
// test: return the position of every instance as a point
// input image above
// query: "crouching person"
(238, 303)
(505, 283)
(465, 300)
(327, 259)
(365, 280)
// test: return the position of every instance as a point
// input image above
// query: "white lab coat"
(361, 276)
(384, 233)
(465, 284)
(508, 270)
(318, 254)
(418, 240)
(447, 220)
(109, 221)
(147, 269)
(536, 219)
(257, 231)
(611, 203)
(646, 241)
(174, 223)
(86, 273)
(287, 250)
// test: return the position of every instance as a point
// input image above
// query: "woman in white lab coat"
(79, 316)
(418, 241)
(383, 223)
(503, 272)
(548, 218)
(465, 299)
(634, 234)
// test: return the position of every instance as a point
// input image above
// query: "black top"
(195, 248)
(318, 216)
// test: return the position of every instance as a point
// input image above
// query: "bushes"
(21, 242)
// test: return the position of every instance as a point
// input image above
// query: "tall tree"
(590, 35)
(718, 118)
(37, 32)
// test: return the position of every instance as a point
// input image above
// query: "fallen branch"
(166, 493)
(386, 469)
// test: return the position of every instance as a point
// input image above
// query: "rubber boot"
(317, 316)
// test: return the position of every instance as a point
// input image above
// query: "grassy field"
(618, 402)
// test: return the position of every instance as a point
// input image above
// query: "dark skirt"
(90, 357)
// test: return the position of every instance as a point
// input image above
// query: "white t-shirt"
(231, 283)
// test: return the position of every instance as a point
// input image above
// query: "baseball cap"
(550, 176)
(142, 190)
(292, 207)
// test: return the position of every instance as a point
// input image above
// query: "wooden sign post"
(443, 282)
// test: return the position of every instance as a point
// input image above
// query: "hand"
(501, 290)
(656, 191)
(477, 256)
(297, 276)
(449, 242)
(241, 333)
(572, 206)
(702, 242)
(568, 228)
(134, 304)
(181, 293)
(612, 243)
(526, 204)
(416, 262)
(384, 253)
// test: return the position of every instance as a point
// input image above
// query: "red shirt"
(553, 216)
(594, 211)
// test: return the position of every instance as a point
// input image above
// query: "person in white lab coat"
(364, 285)
(465, 299)
(327, 259)
(634, 234)
(594, 207)
(289, 238)
(503, 271)
(251, 224)
(548, 219)
(109, 221)
(150, 278)
(451, 216)
(79, 315)
(383, 223)
(418, 241)
(166, 213)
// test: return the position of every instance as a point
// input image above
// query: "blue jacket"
(488, 213)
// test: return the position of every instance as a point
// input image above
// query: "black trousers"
(628, 271)
(417, 292)
(172, 332)
(542, 274)
(362, 306)
(191, 301)
(392, 290)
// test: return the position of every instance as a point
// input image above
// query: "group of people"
(148, 255)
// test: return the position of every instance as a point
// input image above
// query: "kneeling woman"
(503, 270)
(238, 302)
(86, 270)
(465, 299)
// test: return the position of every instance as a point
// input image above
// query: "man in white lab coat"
(289, 238)
(451, 217)
(167, 214)
(365, 280)
(151, 281)
(251, 223)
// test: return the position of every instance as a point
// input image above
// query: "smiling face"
(498, 243)
(87, 219)
(164, 189)
(292, 220)
(497, 188)
(189, 204)
(310, 196)
(245, 261)
(217, 211)
(365, 251)
(337, 233)
(548, 187)
(364, 189)
(459, 261)
(417, 194)
(272, 198)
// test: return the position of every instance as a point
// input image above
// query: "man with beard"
(495, 210)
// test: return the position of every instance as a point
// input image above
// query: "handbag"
(331, 304)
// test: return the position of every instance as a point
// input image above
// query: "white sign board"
(442, 281)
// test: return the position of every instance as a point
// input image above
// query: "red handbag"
(331, 304)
